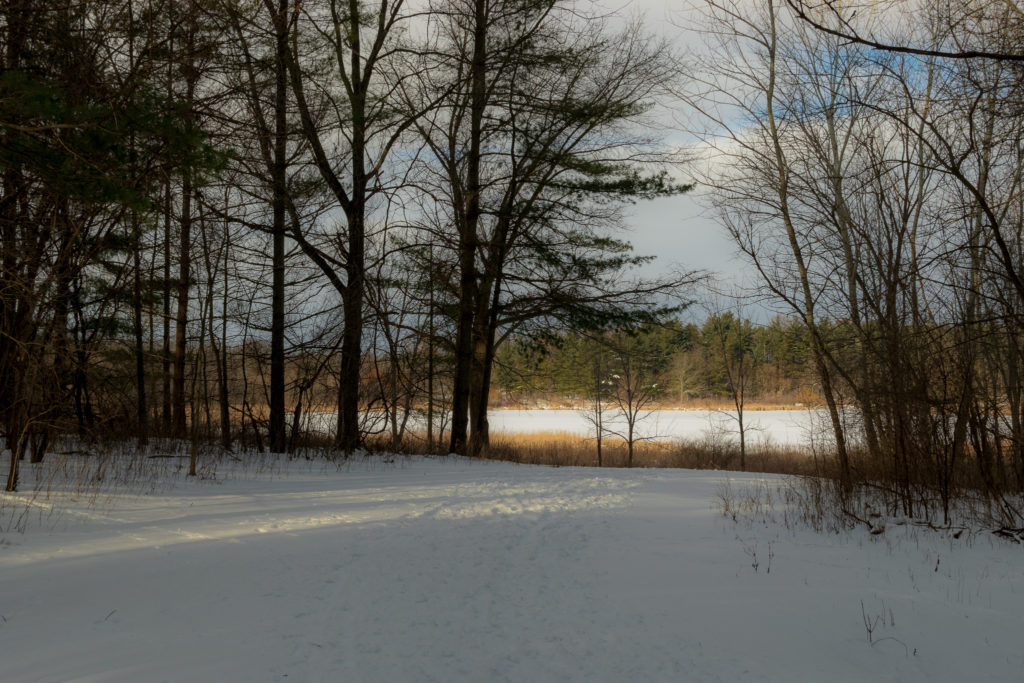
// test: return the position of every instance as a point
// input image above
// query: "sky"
(679, 231)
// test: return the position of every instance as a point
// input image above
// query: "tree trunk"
(352, 337)
(355, 269)
(479, 436)
(817, 346)
(142, 411)
(178, 409)
(468, 283)
(178, 398)
(278, 178)
(430, 362)
(225, 405)
(165, 353)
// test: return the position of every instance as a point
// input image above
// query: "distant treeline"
(685, 364)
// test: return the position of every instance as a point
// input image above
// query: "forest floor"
(448, 569)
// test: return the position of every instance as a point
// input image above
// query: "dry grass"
(570, 450)
(565, 449)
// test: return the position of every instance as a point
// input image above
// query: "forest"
(238, 203)
(220, 217)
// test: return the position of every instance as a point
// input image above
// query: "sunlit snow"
(460, 570)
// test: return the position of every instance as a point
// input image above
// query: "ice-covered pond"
(780, 427)
(776, 427)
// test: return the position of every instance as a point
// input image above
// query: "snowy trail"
(455, 570)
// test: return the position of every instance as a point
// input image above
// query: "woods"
(873, 174)
(219, 217)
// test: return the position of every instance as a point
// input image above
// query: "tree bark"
(142, 411)
(178, 398)
(278, 443)
(468, 238)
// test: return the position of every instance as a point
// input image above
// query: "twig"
(1014, 535)
(853, 516)
(906, 649)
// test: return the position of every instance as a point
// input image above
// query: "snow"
(779, 427)
(789, 428)
(449, 569)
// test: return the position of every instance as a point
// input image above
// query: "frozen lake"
(780, 427)
(775, 427)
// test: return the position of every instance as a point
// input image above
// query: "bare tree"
(635, 367)
(533, 152)
(873, 192)
(730, 340)
(363, 50)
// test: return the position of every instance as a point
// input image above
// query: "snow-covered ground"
(457, 570)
